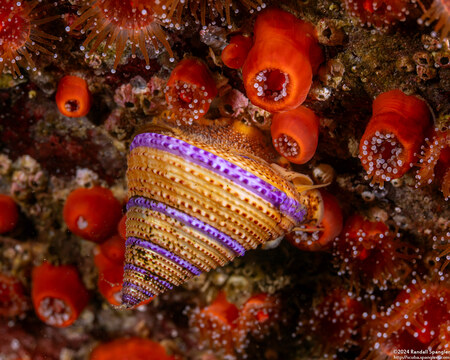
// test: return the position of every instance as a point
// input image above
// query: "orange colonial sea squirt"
(380, 14)
(295, 134)
(58, 294)
(318, 238)
(73, 97)
(13, 301)
(393, 136)
(122, 227)
(9, 214)
(278, 71)
(109, 259)
(216, 323)
(20, 35)
(235, 53)
(120, 21)
(92, 214)
(133, 348)
(370, 253)
(190, 90)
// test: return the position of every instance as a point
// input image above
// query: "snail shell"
(194, 206)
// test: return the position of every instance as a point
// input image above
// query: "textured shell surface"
(194, 206)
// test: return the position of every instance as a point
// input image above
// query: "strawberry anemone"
(435, 161)
(216, 323)
(418, 320)
(13, 301)
(173, 9)
(371, 254)
(381, 14)
(442, 245)
(20, 35)
(258, 315)
(120, 21)
(438, 11)
(335, 320)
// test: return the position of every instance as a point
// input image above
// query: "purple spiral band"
(129, 300)
(188, 220)
(163, 252)
(146, 273)
(288, 206)
(137, 288)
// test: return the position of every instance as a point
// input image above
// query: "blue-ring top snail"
(198, 197)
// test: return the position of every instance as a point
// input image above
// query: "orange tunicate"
(13, 301)
(317, 239)
(236, 51)
(92, 214)
(110, 276)
(295, 134)
(190, 90)
(393, 136)
(73, 97)
(9, 214)
(133, 348)
(58, 294)
(114, 249)
(122, 227)
(279, 68)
